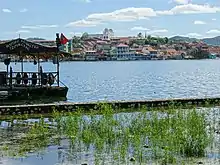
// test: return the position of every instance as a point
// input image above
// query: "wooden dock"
(66, 107)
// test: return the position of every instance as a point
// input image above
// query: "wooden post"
(10, 80)
(7, 67)
(41, 73)
(58, 70)
(22, 65)
(7, 71)
(38, 64)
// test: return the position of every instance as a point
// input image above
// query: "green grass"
(168, 136)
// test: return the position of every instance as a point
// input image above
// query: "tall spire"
(145, 36)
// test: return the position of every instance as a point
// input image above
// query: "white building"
(123, 53)
(122, 49)
(91, 55)
(108, 34)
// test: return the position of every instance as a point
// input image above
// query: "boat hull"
(50, 94)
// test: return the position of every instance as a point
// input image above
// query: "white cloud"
(193, 35)
(213, 31)
(23, 31)
(83, 23)
(164, 12)
(158, 31)
(194, 9)
(133, 14)
(190, 9)
(214, 19)
(23, 10)
(39, 26)
(86, 1)
(199, 22)
(18, 32)
(6, 10)
(139, 28)
(182, 1)
(126, 14)
(47, 26)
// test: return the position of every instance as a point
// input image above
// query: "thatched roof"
(28, 48)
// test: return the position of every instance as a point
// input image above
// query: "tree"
(85, 35)
(139, 41)
(166, 40)
(146, 42)
(198, 53)
(131, 43)
(76, 42)
(160, 40)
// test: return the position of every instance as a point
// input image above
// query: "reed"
(163, 136)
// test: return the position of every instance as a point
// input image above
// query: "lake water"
(136, 80)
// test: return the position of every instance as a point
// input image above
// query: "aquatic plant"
(166, 136)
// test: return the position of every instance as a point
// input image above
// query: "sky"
(44, 18)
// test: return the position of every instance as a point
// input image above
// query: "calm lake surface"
(136, 80)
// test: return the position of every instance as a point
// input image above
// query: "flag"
(63, 39)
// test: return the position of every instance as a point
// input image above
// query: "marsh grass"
(167, 136)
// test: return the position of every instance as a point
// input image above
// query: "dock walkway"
(69, 106)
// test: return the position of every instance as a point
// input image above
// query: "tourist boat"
(25, 85)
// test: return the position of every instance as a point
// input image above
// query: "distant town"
(107, 47)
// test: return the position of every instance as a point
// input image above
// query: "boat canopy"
(23, 47)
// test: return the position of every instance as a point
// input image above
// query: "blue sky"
(43, 18)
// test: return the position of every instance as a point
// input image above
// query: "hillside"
(209, 41)
(212, 41)
(181, 38)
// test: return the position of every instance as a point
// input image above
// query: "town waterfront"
(136, 80)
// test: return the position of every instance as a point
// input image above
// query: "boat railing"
(31, 79)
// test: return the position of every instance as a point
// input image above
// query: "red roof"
(122, 45)
(124, 38)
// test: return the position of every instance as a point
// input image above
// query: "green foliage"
(77, 42)
(198, 53)
(84, 36)
(154, 41)
(167, 137)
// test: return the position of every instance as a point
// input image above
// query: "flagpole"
(62, 40)
(58, 70)
(58, 64)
